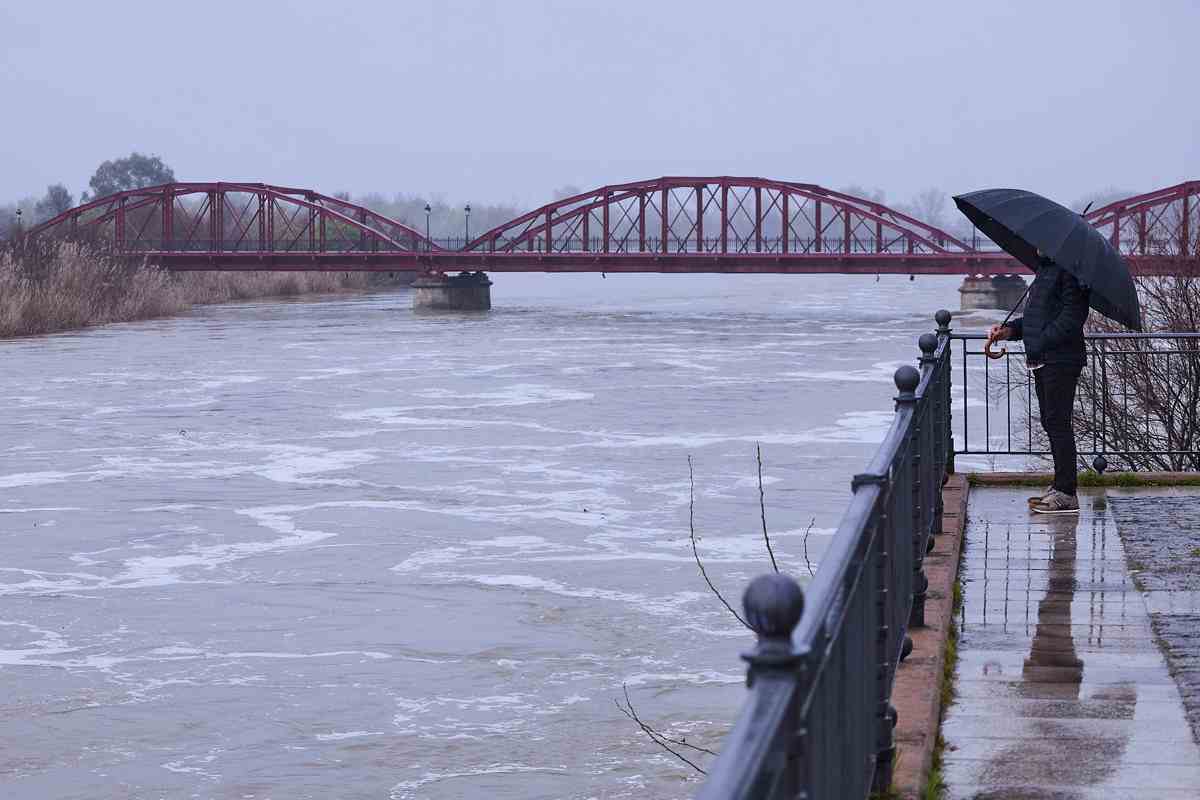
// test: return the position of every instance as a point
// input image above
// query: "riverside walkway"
(1062, 688)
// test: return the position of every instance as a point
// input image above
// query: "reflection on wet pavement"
(1061, 690)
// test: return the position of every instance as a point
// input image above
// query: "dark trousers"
(1056, 384)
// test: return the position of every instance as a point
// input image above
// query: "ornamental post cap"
(943, 317)
(927, 343)
(773, 604)
(906, 379)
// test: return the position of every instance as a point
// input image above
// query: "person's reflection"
(1055, 705)
(1053, 643)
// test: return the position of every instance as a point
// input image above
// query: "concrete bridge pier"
(1002, 292)
(466, 291)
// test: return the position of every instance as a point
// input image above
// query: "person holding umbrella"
(1055, 353)
(1076, 269)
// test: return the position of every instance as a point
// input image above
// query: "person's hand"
(1000, 333)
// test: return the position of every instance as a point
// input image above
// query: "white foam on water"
(169, 507)
(220, 382)
(18, 479)
(327, 373)
(195, 764)
(371, 654)
(680, 363)
(867, 427)
(394, 415)
(877, 373)
(164, 570)
(299, 465)
(338, 736)
(519, 394)
(684, 678)
(38, 509)
(405, 789)
(670, 605)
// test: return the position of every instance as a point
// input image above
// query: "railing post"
(773, 604)
(885, 759)
(907, 380)
(943, 317)
(937, 439)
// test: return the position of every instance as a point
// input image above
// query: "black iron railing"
(818, 722)
(1136, 406)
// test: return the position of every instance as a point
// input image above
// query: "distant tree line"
(135, 171)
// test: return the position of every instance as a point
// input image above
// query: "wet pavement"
(1062, 691)
(1161, 534)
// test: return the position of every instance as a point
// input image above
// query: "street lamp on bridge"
(428, 241)
(18, 221)
(467, 226)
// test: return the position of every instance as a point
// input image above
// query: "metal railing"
(629, 241)
(1136, 406)
(818, 722)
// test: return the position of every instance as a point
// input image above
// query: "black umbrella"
(1029, 227)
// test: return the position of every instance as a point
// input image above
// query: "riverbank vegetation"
(65, 285)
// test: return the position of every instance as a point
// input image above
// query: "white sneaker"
(1056, 502)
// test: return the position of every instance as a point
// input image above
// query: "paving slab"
(1062, 689)
(1160, 531)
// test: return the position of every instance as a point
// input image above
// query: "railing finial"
(943, 318)
(1100, 463)
(907, 378)
(773, 604)
(928, 343)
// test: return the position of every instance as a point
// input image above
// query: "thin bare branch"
(695, 551)
(807, 531)
(762, 507)
(659, 739)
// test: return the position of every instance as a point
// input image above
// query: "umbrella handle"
(987, 349)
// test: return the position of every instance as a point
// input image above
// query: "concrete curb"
(917, 692)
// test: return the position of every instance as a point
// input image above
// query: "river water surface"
(336, 549)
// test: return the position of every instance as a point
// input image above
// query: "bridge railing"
(818, 722)
(1135, 408)
(731, 245)
(279, 245)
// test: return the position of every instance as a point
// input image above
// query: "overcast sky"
(509, 100)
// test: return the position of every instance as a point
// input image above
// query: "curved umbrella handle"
(987, 349)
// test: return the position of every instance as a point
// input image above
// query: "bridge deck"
(791, 264)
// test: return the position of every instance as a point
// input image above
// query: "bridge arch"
(720, 216)
(1164, 223)
(235, 218)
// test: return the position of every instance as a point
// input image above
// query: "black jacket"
(1052, 327)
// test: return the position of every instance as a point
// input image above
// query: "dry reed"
(65, 285)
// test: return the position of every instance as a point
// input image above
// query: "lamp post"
(467, 226)
(428, 241)
(18, 221)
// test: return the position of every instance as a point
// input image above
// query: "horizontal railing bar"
(1081, 451)
(1154, 335)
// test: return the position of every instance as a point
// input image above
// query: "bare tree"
(929, 206)
(1139, 399)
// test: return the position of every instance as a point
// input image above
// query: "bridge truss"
(231, 226)
(669, 224)
(1163, 225)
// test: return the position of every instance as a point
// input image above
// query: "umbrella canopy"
(1029, 227)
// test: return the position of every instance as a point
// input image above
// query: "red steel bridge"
(669, 224)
